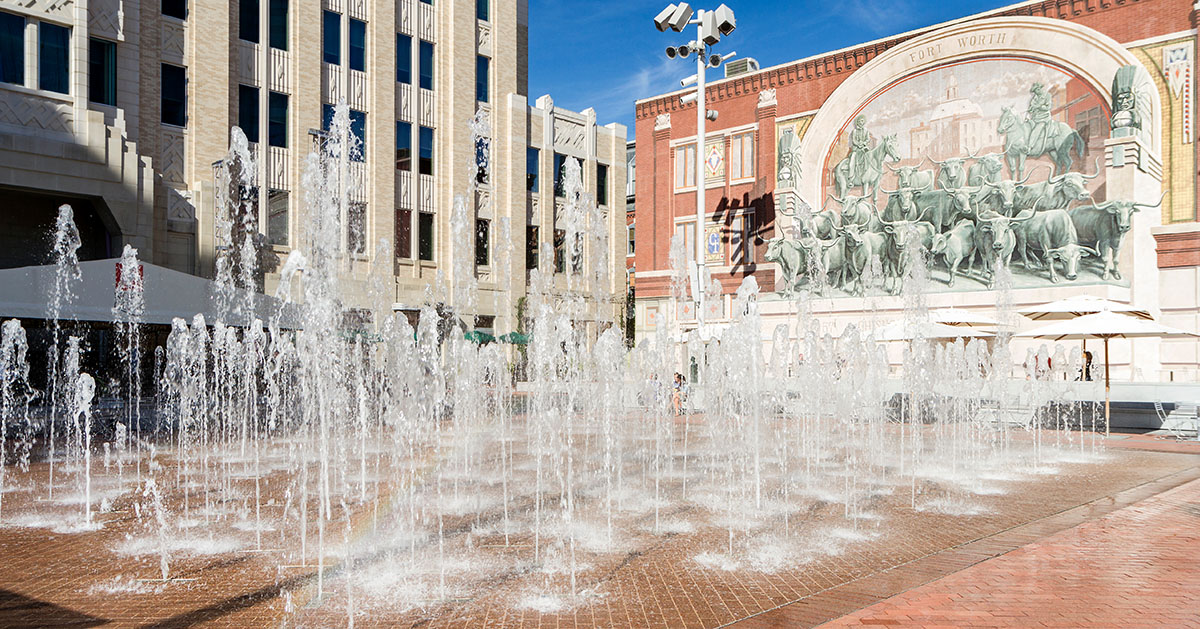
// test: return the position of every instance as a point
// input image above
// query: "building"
(123, 108)
(938, 98)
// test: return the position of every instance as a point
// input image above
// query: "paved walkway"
(1136, 567)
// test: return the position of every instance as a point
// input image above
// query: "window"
(531, 169)
(601, 184)
(248, 20)
(685, 166)
(53, 62)
(425, 236)
(358, 128)
(481, 78)
(482, 228)
(532, 247)
(278, 24)
(102, 71)
(748, 233)
(481, 160)
(429, 2)
(425, 151)
(631, 240)
(741, 240)
(327, 112)
(175, 8)
(426, 65)
(174, 95)
(277, 128)
(403, 146)
(688, 231)
(741, 156)
(403, 234)
(403, 59)
(560, 165)
(358, 45)
(277, 217)
(560, 259)
(248, 111)
(12, 48)
(331, 37)
(482, 9)
(356, 228)
(577, 255)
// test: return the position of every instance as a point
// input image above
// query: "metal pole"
(701, 62)
(1107, 385)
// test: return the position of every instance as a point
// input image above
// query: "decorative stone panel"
(179, 205)
(357, 97)
(39, 112)
(404, 194)
(277, 170)
(404, 16)
(425, 193)
(248, 63)
(427, 108)
(404, 102)
(426, 27)
(105, 19)
(569, 134)
(483, 38)
(280, 74)
(173, 40)
(171, 157)
(331, 83)
(357, 9)
(54, 10)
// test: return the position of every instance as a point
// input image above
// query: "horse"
(871, 168)
(1057, 142)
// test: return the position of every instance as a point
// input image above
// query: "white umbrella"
(906, 331)
(1078, 306)
(961, 317)
(1105, 325)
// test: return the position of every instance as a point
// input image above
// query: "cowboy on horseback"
(860, 143)
(1038, 113)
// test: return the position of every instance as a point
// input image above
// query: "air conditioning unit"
(741, 66)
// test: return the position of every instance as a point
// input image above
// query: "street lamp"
(710, 27)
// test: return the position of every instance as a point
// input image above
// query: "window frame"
(482, 78)
(183, 102)
(277, 24)
(602, 184)
(685, 167)
(741, 145)
(248, 118)
(107, 69)
(425, 237)
(483, 249)
(532, 172)
(425, 57)
(422, 145)
(331, 37)
(272, 123)
(404, 56)
(21, 48)
(404, 130)
(356, 55)
(249, 24)
(49, 81)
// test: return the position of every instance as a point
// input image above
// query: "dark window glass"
(326, 117)
(175, 8)
(358, 127)
(358, 45)
(102, 71)
(425, 236)
(277, 217)
(248, 111)
(331, 37)
(481, 160)
(425, 148)
(481, 78)
(531, 247)
(248, 20)
(404, 234)
(278, 24)
(277, 119)
(531, 168)
(53, 60)
(560, 165)
(482, 9)
(430, 2)
(174, 95)
(403, 146)
(12, 48)
(601, 184)
(356, 228)
(426, 65)
(560, 259)
(577, 255)
(403, 59)
(482, 232)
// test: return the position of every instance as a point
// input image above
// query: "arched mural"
(972, 161)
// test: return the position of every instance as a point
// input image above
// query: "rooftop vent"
(741, 66)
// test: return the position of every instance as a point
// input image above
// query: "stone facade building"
(123, 108)
(1111, 83)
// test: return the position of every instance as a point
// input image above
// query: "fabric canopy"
(907, 330)
(959, 316)
(1078, 306)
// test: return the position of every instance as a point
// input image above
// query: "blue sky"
(610, 74)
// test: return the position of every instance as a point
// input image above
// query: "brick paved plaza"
(1106, 541)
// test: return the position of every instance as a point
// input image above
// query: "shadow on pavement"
(18, 610)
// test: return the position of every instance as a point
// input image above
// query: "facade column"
(764, 174)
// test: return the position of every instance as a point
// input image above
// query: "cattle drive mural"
(972, 165)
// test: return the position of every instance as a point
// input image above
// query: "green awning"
(479, 337)
(516, 338)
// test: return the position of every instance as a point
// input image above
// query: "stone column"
(1133, 172)
(764, 173)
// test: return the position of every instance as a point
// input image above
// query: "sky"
(618, 56)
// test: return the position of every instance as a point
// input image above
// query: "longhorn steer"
(995, 241)
(831, 255)
(955, 246)
(1056, 192)
(910, 177)
(1053, 233)
(1000, 196)
(951, 174)
(789, 255)
(901, 204)
(1104, 226)
(861, 246)
(986, 170)
(945, 207)
(900, 236)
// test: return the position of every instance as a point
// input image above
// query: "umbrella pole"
(1107, 384)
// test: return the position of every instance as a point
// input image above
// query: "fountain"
(440, 477)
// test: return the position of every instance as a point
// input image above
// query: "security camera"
(671, 52)
(708, 28)
(661, 20)
(687, 99)
(683, 51)
(726, 22)
(714, 61)
(711, 114)
(679, 19)
(687, 81)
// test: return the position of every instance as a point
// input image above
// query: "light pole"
(710, 27)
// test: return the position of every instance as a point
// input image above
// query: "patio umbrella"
(906, 331)
(1105, 325)
(961, 317)
(515, 338)
(479, 337)
(1078, 306)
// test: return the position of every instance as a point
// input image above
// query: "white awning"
(26, 293)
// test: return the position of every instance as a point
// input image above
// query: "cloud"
(1014, 85)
